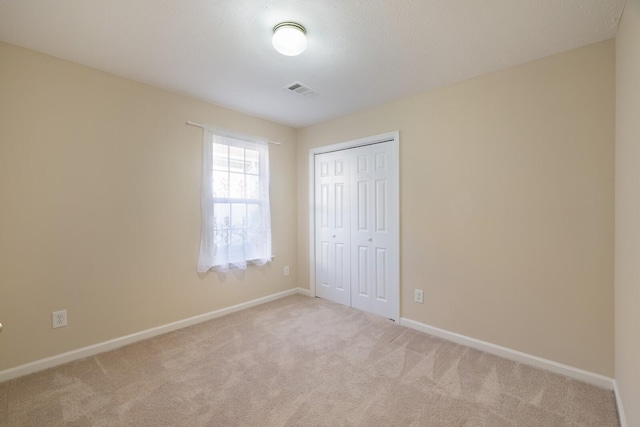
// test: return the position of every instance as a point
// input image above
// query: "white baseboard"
(623, 420)
(517, 356)
(94, 349)
(305, 292)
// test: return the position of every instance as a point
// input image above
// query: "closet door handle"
(370, 239)
(334, 236)
(0, 327)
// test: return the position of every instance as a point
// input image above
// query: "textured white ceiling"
(361, 52)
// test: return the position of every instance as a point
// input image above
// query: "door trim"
(393, 137)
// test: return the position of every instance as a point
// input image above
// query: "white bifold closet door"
(356, 258)
(332, 228)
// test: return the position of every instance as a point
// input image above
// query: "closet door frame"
(394, 138)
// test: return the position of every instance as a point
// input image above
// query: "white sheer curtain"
(236, 217)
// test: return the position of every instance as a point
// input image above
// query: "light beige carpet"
(300, 362)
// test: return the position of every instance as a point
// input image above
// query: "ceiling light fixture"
(289, 38)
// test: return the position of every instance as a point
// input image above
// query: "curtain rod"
(190, 123)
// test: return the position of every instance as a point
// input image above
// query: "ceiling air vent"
(300, 89)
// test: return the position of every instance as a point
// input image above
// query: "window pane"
(222, 223)
(251, 247)
(237, 246)
(220, 157)
(220, 184)
(237, 185)
(222, 215)
(252, 162)
(236, 159)
(253, 215)
(253, 190)
(238, 215)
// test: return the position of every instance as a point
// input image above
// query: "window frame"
(254, 244)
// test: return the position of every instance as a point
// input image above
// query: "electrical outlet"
(286, 270)
(419, 296)
(59, 319)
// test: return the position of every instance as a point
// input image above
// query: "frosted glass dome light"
(289, 38)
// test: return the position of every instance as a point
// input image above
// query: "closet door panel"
(361, 231)
(383, 237)
(332, 229)
(381, 267)
(372, 181)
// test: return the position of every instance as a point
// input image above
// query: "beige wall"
(627, 250)
(506, 204)
(100, 207)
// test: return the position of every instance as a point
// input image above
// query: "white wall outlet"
(59, 319)
(286, 270)
(419, 296)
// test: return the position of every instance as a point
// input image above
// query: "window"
(236, 227)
